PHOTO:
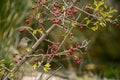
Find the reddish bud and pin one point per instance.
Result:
(14, 55)
(48, 19)
(71, 38)
(60, 19)
(54, 14)
(71, 34)
(54, 19)
(27, 21)
(42, 23)
(49, 58)
(117, 25)
(62, 35)
(69, 12)
(55, 22)
(88, 6)
(16, 61)
(41, 50)
(19, 59)
(75, 11)
(75, 58)
(33, 8)
(62, 11)
(73, 19)
(62, 24)
(78, 62)
(78, 46)
(56, 5)
(54, 52)
(55, 47)
(38, 1)
(21, 30)
(35, 60)
(68, 54)
(71, 48)
(44, 3)
(81, 27)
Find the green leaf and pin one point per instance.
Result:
(63, 8)
(46, 67)
(34, 66)
(11, 74)
(103, 24)
(98, 4)
(95, 3)
(34, 31)
(105, 6)
(95, 28)
(73, 24)
(87, 22)
(40, 31)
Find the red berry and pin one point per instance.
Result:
(16, 61)
(38, 1)
(33, 8)
(48, 19)
(54, 19)
(75, 58)
(62, 24)
(78, 46)
(27, 21)
(81, 27)
(75, 11)
(60, 19)
(21, 30)
(55, 22)
(55, 47)
(41, 22)
(44, 3)
(41, 50)
(78, 62)
(117, 25)
(14, 55)
(62, 35)
(35, 60)
(71, 34)
(88, 6)
(19, 59)
(62, 11)
(73, 19)
(71, 38)
(71, 48)
(54, 52)
(49, 58)
(68, 54)
(56, 5)
(69, 12)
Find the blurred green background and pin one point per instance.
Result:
(103, 51)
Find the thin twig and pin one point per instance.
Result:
(92, 15)
(32, 34)
(64, 39)
(54, 72)
(65, 3)
(34, 47)
(50, 41)
(5, 68)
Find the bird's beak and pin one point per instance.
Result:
(29, 40)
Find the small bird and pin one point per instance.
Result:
(23, 45)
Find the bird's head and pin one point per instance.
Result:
(25, 40)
